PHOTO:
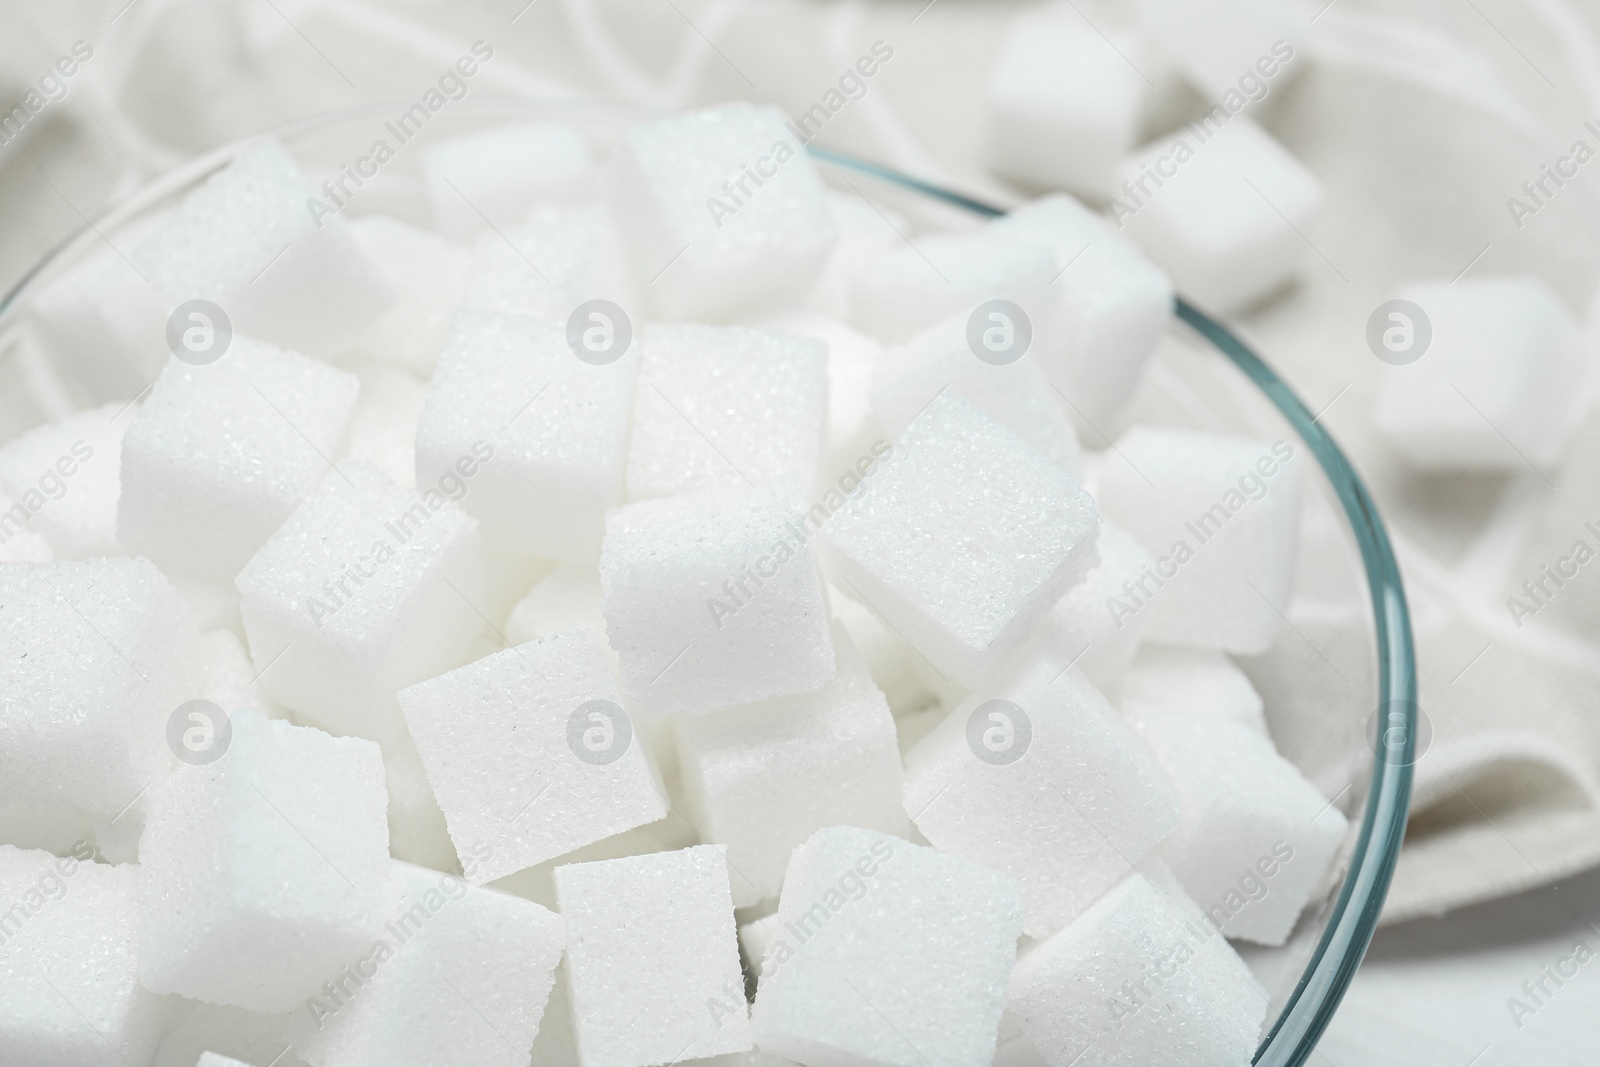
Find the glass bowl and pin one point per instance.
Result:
(1348, 581)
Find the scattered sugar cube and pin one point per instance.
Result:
(724, 406)
(1493, 390)
(1189, 683)
(652, 958)
(1256, 838)
(567, 596)
(888, 953)
(252, 240)
(67, 476)
(1114, 304)
(549, 265)
(1230, 222)
(67, 964)
(963, 538)
(364, 590)
(494, 177)
(462, 976)
(1063, 102)
(429, 277)
(94, 656)
(1221, 514)
(261, 869)
(1001, 782)
(1232, 50)
(1016, 395)
(711, 600)
(1138, 979)
(1083, 628)
(497, 737)
(763, 778)
(221, 454)
(534, 437)
(723, 211)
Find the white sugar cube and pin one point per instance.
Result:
(226, 675)
(1255, 838)
(530, 752)
(94, 656)
(68, 476)
(1138, 979)
(723, 211)
(944, 274)
(1189, 683)
(67, 964)
(890, 658)
(653, 959)
(852, 428)
(494, 177)
(256, 240)
(462, 976)
(546, 267)
(1001, 782)
(887, 953)
(1234, 51)
(364, 590)
(763, 778)
(1223, 208)
(1221, 514)
(567, 596)
(1494, 388)
(429, 277)
(963, 538)
(540, 433)
(221, 454)
(1063, 102)
(724, 406)
(383, 426)
(713, 599)
(1113, 301)
(1016, 395)
(262, 868)
(1084, 626)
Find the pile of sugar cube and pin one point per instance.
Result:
(650, 608)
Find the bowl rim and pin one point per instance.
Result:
(1354, 915)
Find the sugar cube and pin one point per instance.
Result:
(67, 476)
(546, 267)
(1223, 208)
(724, 406)
(429, 277)
(1002, 781)
(540, 433)
(963, 538)
(383, 425)
(1227, 47)
(1083, 627)
(255, 240)
(763, 778)
(652, 958)
(713, 599)
(1493, 387)
(567, 596)
(1190, 683)
(852, 428)
(364, 590)
(1063, 102)
(260, 869)
(723, 211)
(530, 752)
(67, 963)
(456, 975)
(1139, 978)
(1221, 514)
(94, 656)
(221, 454)
(889, 657)
(888, 953)
(494, 177)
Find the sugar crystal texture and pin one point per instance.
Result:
(68, 475)
(713, 599)
(465, 979)
(726, 406)
(763, 778)
(1221, 514)
(963, 538)
(261, 869)
(534, 436)
(723, 209)
(887, 953)
(1086, 626)
(221, 454)
(522, 750)
(1037, 775)
(558, 259)
(94, 656)
(653, 958)
(1191, 683)
(67, 964)
(429, 277)
(493, 178)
